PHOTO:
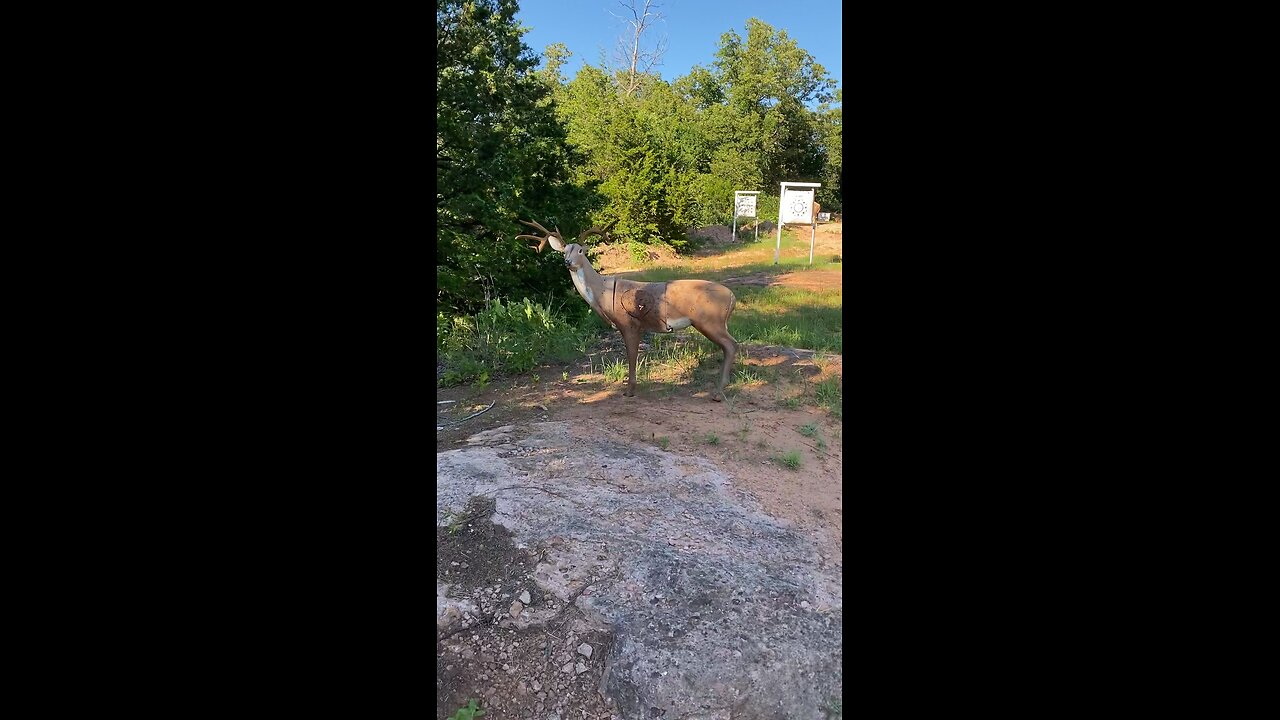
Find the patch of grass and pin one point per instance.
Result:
(663, 442)
(745, 376)
(507, 339)
(790, 459)
(791, 317)
(616, 371)
(833, 709)
(809, 430)
(564, 375)
(791, 403)
(470, 712)
(831, 396)
(711, 439)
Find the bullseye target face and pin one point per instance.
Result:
(797, 206)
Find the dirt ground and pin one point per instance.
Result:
(513, 672)
(531, 674)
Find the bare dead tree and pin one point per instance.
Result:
(630, 52)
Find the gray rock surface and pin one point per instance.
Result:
(716, 609)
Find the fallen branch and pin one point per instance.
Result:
(823, 452)
(455, 422)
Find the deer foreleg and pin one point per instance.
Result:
(631, 336)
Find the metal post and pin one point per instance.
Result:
(735, 221)
(813, 228)
(782, 192)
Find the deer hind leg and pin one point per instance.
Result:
(721, 337)
(632, 340)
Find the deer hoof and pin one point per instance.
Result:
(718, 397)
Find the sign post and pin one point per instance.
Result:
(796, 206)
(744, 204)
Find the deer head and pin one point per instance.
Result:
(574, 253)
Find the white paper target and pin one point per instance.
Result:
(797, 206)
(746, 206)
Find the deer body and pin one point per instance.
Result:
(634, 308)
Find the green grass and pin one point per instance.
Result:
(746, 375)
(509, 338)
(790, 459)
(712, 439)
(809, 430)
(792, 317)
(616, 371)
(830, 395)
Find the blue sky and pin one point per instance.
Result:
(692, 27)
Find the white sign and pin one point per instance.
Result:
(797, 206)
(824, 217)
(746, 206)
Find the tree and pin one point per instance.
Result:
(501, 155)
(631, 53)
(557, 54)
(767, 78)
(828, 117)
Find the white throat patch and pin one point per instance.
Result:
(580, 282)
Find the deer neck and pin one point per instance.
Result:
(590, 285)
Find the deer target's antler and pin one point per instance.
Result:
(602, 232)
(552, 236)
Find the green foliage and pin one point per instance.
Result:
(505, 338)
(638, 251)
(514, 142)
(712, 439)
(501, 155)
(470, 712)
(668, 157)
(809, 430)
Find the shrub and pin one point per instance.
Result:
(506, 338)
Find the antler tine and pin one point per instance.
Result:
(542, 242)
(553, 237)
(602, 232)
(535, 224)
